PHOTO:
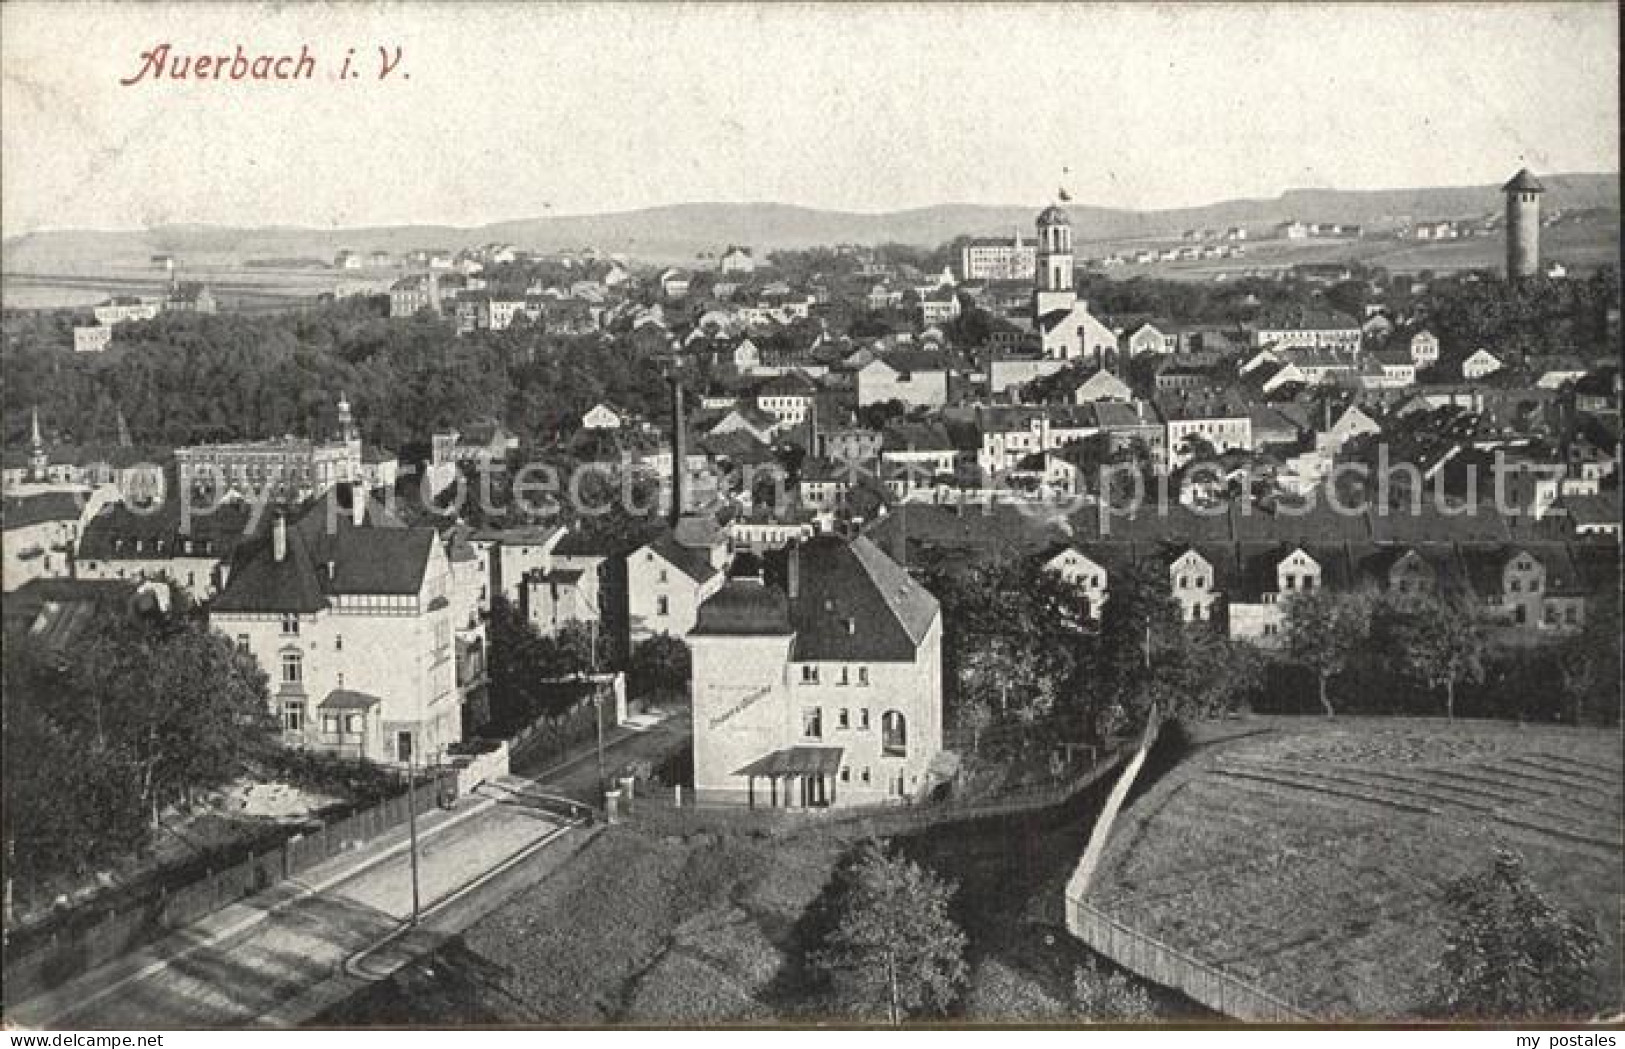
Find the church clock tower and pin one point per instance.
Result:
(1056, 284)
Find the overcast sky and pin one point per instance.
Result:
(513, 112)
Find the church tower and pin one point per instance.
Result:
(1523, 225)
(1056, 285)
(350, 438)
(39, 460)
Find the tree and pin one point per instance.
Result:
(894, 946)
(515, 666)
(1324, 631)
(1442, 645)
(151, 710)
(1510, 954)
(1103, 996)
(661, 664)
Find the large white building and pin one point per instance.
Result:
(290, 468)
(825, 692)
(998, 258)
(353, 620)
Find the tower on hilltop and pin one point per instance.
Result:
(1523, 192)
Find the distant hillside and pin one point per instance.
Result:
(676, 233)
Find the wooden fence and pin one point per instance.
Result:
(1156, 961)
(886, 818)
(119, 932)
(1147, 956)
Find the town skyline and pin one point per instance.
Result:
(1186, 123)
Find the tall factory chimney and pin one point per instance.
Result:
(679, 454)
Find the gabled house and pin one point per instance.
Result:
(822, 691)
(353, 620)
(1479, 364)
(917, 378)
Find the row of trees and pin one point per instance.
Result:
(182, 378)
(1019, 647)
(1439, 644)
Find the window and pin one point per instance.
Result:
(863, 719)
(1184, 582)
(846, 775)
(1551, 615)
(1571, 614)
(812, 723)
(865, 776)
(338, 643)
(1289, 582)
(662, 605)
(242, 642)
(843, 719)
(1308, 583)
(1517, 586)
(293, 668)
(863, 677)
(893, 734)
(330, 724)
(809, 674)
(843, 679)
(290, 624)
(662, 575)
(1534, 586)
(293, 715)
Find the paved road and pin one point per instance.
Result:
(577, 777)
(285, 956)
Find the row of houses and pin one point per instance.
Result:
(1246, 588)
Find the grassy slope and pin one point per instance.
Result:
(1311, 858)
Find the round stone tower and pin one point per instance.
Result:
(1523, 225)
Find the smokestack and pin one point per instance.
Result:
(679, 455)
(793, 584)
(279, 538)
(812, 430)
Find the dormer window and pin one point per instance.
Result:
(290, 625)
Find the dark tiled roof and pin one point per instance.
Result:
(1523, 182)
(856, 604)
(744, 607)
(694, 562)
(261, 583)
(378, 557)
(21, 511)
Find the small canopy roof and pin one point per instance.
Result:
(349, 699)
(796, 761)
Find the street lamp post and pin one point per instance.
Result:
(412, 821)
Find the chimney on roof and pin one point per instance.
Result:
(793, 584)
(279, 537)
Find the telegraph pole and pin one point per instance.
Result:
(597, 696)
(412, 820)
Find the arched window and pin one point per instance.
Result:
(893, 734)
